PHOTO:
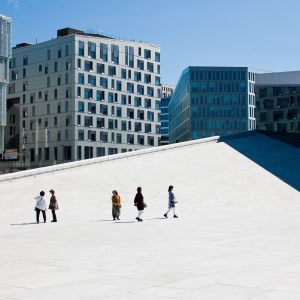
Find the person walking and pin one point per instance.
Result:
(171, 202)
(53, 205)
(116, 205)
(139, 203)
(40, 206)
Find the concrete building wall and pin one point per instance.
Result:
(75, 101)
(5, 53)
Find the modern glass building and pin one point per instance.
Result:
(5, 53)
(210, 101)
(85, 95)
(278, 101)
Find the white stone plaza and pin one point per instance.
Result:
(237, 236)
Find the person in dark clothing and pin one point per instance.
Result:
(53, 205)
(171, 203)
(139, 203)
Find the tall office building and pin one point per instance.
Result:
(85, 95)
(5, 53)
(167, 92)
(278, 101)
(210, 101)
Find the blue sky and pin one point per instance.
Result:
(263, 34)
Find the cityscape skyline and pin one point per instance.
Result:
(207, 33)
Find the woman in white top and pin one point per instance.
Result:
(40, 206)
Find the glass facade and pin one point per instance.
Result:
(211, 101)
(278, 107)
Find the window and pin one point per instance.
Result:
(81, 48)
(130, 113)
(92, 50)
(25, 86)
(59, 53)
(130, 139)
(115, 54)
(100, 122)
(68, 64)
(88, 93)
(119, 85)
(25, 60)
(140, 89)
(100, 151)
(78, 91)
(150, 91)
(55, 66)
(148, 127)
(66, 78)
(81, 135)
(137, 101)
(103, 51)
(68, 92)
(131, 57)
(92, 135)
(112, 151)
(103, 82)
(150, 67)
(123, 73)
(79, 63)
(119, 112)
(111, 71)
(88, 65)
(103, 136)
(140, 114)
(151, 140)
(147, 54)
(123, 99)
(81, 106)
(150, 116)
(137, 76)
(103, 109)
(110, 98)
(88, 121)
(67, 50)
(138, 127)
(92, 80)
(92, 108)
(130, 87)
(147, 103)
(119, 138)
(124, 125)
(147, 78)
(157, 80)
(81, 78)
(100, 96)
(141, 140)
(140, 64)
(157, 56)
(100, 68)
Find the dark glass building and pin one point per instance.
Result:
(278, 101)
(210, 101)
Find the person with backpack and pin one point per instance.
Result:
(40, 206)
(53, 205)
(139, 203)
(171, 203)
(116, 205)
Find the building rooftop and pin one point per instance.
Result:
(278, 78)
(237, 236)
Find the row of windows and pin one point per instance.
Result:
(280, 127)
(278, 115)
(90, 66)
(106, 110)
(117, 124)
(264, 92)
(219, 124)
(218, 75)
(138, 89)
(211, 111)
(114, 50)
(284, 102)
(57, 53)
(216, 99)
(91, 79)
(59, 109)
(219, 87)
(103, 137)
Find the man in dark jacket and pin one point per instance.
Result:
(139, 203)
(53, 205)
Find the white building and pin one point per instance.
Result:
(5, 53)
(85, 95)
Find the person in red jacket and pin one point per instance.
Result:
(139, 203)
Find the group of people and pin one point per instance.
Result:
(140, 204)
(41, 206)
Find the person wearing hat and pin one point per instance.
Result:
(53, 205)
(171, 202)
(116, 205)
